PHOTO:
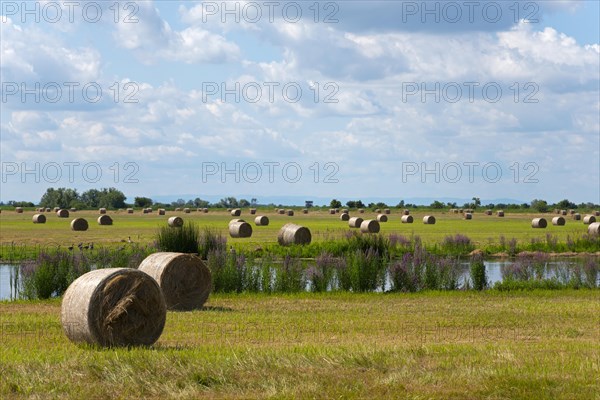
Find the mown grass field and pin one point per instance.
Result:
(483, 230)
(432, 345)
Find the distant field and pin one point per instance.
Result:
(482, 229)
(432, 345)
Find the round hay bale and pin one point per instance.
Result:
(369, 226)
(556, 211)
(558, 221)
(252, 211)
(205, 210)
(290, 213)
(293, 234)
(500, 213)
(105, 220)
(344, 217)
(145, 211)
(281, 211)
(63, 213)
(355, 222)
(79, 224)
(377, 210)
(48, 209)
(455, 210)
(597, 213)
(236, 212)
(102, 210)
(577, 217)
(229, 209)
(361, 210)
(594, 228)
(185, 280)
(589, 219)
(72, 209)
(488, 212)
(382, 218)
(468, 216)
(240, 229)
(407, 219)
(56, 209)
(305, 211)
(571, 212)
(130, 211)
(40, 210)
(236, 220)
(460, 211)
(337, 210)
(114, 307)
(406, 212)
(539, 223)
(331, 211)
(261, 220)
(387, 211)
(563, 212)
(161, 211)
(175, 222)
(345, 210)
(178, 209)
(429, 220)
(39, 219)
(187, 210)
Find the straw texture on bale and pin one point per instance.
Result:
(539, 223)
(240, 229)
(39, 219)
(130, 211)
(468, 216)
(577, 217)
(261, 220)
(344, 216)
(253, 211)
(558, 221)
(407, 219)
(369, 226)
(233, 221)
(429, 220)
(105, 220)
(102, 211)
(185, 280)
(500, 213)
(161, 211)
(488, 212)
(79, 224)
(386, 211)
(594, 228)
(355, 222)
(382, 218)
(175, 221)
(589, 219)
(290, 213)
(63, 213)
(236, 212)
(114, 307)
(293, 234)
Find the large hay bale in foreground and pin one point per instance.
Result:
(558, 221)
(539, 223)
(355, 222)
(62, 213)
(589, 219)
(293, 234)
(500, 213)
(429, 220)
(370, 226)
(407, 219)
(79, 224)
(105, 220)
(175, 222)
(382, 218)
(344, 217)
(261, 220)
(594, 228)
(39, 219)
(236, 212)
(468, 216)
(114, 307)
(185, 280)
(240, 229)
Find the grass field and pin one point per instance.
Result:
(433, 345)
(482, 230)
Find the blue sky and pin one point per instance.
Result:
(390, 99)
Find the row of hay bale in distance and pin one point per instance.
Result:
(78, 224)
(128, 307)
(560, 221)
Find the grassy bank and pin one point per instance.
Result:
(435, 345)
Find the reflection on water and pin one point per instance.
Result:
(493, 271)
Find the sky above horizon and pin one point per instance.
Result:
(346, 99)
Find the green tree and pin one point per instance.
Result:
(539, 205)
(335, 203)
(437, 204)
(143, 202)
(61, 197)
(112, 198)
(91, 198)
